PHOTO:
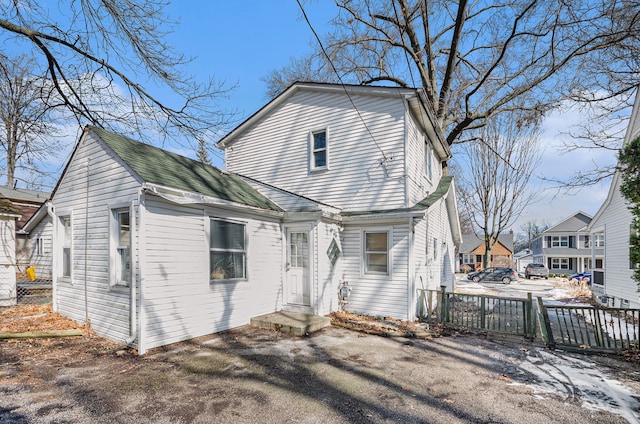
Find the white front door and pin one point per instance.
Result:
(298, 282)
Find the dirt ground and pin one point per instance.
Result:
(334, 376)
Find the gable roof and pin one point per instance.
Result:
(415, 97)
(158, 166)
(470, 242)
(576, 222)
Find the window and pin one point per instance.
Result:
(559, 263)
(319, 157)
(598, 240)
(587, 242)
(428, 158)
(376, 252)
(468, 258)
(599, 263)
(227, 250)
(559, 241)
(39, 246)
(435, 248)
(66, 238)
(121, 236)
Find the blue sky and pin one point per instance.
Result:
(240, 41)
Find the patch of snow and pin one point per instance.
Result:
(580, 380)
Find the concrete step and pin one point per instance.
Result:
(294, 323)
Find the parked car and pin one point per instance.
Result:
(505, 275)
(536, 270)
(581, 276)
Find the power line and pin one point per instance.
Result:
(315, 34)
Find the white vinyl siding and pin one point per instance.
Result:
(42, 237)
(354, 155)
(179, 301)
(109, 184)
(384, 295)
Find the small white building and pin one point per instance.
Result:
(612, 278)
(9, 213)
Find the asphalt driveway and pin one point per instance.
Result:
(334, 376)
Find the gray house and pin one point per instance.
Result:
(567, 247)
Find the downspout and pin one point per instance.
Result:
(86, 249)
(133, 333)
(54, 272)
(411, 273)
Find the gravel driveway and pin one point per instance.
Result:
(334, 376)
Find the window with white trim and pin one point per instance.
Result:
(559, 263)
(227, 250)
(376, 252)
(39, 246)
(559, 241)
(319, 156)
(121, 245)
(428, 160)
(598, 240)
(66, 244)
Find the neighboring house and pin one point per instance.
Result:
(27, 202)
(377, 156)
(522, 258)
(38, 251)
(613, 283)
(9, 215)
(472, 250)
(568, 247)
(153, 248)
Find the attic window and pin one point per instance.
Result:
(319, 158)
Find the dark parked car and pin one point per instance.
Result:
(505, 275)
(581, 277)
(536, 270)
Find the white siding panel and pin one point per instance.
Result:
(377, 295)
(180, 302)
(109, 183)
(43, 262)
(276, 150)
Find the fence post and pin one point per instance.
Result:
(598, 327)
(545, 325)
(443, 304)
(530, 323)
(483, 317)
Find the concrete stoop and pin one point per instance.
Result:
(294, 323)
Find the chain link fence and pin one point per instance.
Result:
(24, 288)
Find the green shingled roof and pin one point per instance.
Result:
(157, 166)
(441, 190)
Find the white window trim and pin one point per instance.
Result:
(245, 224)
(312, 150)
(428, 159)
(60, 246)
(363, 258)
(559, 261)
(114, 210)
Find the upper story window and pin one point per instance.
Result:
(121, 245)
(227, 250)
(319, 156)
(376, 252)
(598, 240)
(66, 244)
(428, 160)
(39, 246)
(559, 241)
(587, 241)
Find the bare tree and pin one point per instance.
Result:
(500, 167)
(528, 231)
(28, 133)
(107, 61)
(476, 60)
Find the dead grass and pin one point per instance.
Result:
(384, 326)
(34, 318)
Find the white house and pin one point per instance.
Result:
(153, 248)
(612, 279)
(377, 156)
(9, 214)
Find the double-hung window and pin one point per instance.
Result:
(122, 245)
(319, 156)
(376, 252)
(227, 250)
(560, 263)
(599, 240)
(66, 238)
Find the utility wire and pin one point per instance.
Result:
(324, 51)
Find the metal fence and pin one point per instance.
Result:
(590, 327)
(33, 291)
(568, 326)
(478, 312)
